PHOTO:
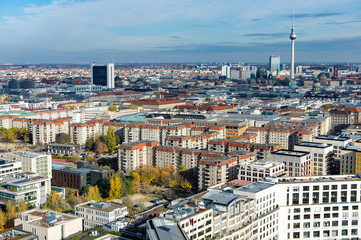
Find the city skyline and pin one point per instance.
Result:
(188, 31)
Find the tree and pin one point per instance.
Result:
(135, 182)
(63, 138)
(2, 220)
(112, 108)
(93, 193)
(10, 210)
(118, 139)
(90, 144)
(110, 141)
(76, 157)
(115, 188)
(85, 189)
(101, 147)
(21, 206)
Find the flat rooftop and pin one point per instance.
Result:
(314, 144)
(102, 206)
(254, 187)
(47, 218)
(315, 179)
(333, 138)
(291, 153)
(164, 229)
(222, 198)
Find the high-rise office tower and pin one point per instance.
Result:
(293, 38)
(274, 63)
(226, 71)
(103, 74)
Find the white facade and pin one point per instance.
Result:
(337, 142)
(109, 74)
(256, 170)
(321, 156)
(9, 167)
(35, 222)
(32, 162)
(97, 213)
(297, 163)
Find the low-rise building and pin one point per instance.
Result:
(98, 213)
(9, 167)
(78, 178)
(63, 148)
(258, 169)
(49, 225)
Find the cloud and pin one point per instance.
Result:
(315, 15)
(341, 23)
(266, 35)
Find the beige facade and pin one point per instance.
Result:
(62, 225)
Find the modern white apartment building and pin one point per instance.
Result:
(49, 225)
(32, 162)
(336, 141)
(266, 198)
(321, 208)
(98, 213)
(25, 186)
(258, 169)
(322, 156)
(9, 167)
(297, 163)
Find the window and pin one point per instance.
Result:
(334, 187)
(296, 225)
(297, 210)
(344, 232)
(297, 217)
(353, 186)
(316, 188)
(334, 223)
(344, 223)
(354, 222)
(296, 235)
(327, 215)
(306, 188)
(326, 223)
(306, 234)
(317, 216)
(307, 216)
(355, 207)
(316, 224)
(326, 187)
(334, 208)
(306, 225)
(344, 186)
(316, 233)
(354, 232)
(327, 209)
(335, 215)
(345, 208)
(307, 209)
(334, 233)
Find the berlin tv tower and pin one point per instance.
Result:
(293, 38)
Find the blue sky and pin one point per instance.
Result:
(82, 31)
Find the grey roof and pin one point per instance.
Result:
(223, 198)
(254, 187)
(162, 229)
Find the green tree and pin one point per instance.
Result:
(115, 188)
(85, 189)
(112, 108)
(93, 193)
(90, 144)
(111, 141)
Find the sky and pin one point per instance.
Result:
(178, 31)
